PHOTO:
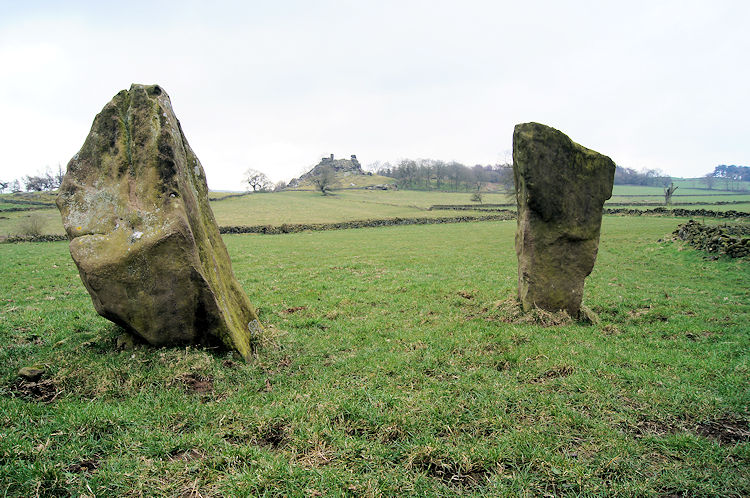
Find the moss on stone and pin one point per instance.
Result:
(561, 187)
(135, 206)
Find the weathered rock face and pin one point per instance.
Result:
(343, 167)
(134, 204)
(561, 188)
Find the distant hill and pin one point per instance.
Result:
(348, 173)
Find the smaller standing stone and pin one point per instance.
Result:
(561, 188)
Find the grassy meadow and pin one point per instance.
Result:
(289, 207)
(300, 206)
(401, 368)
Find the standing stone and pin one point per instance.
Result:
(561, 188)
(134, 203)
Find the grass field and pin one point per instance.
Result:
(345, 205)
(718, 184)
(295, 207)
(359, 204)
(398, 374)
(634, 193)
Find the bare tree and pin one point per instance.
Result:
(668, 193)
(479, 176)
(3, 186)
(256, 180)
(709, 179)
(505, 174)
(39, 183)
(44, 181)
(59, 175)
(323, 180)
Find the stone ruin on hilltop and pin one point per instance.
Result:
(342, 167)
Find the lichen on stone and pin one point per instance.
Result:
(561, 187)
(134, 203)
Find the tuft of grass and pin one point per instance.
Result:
(510, 311)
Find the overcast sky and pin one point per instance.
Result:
(275, 85)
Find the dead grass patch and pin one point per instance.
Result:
(85, 466)
(639, 312)
(726, 430)
(648, 426)
(510, 311)
(43, 391)
(561, 371)
(467, 294)
(457, 475)
(294, 309)
(610, 329)
(188, 455)
(319, 455)
(272, 435)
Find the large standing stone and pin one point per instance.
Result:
(134, 204)
(561, 188)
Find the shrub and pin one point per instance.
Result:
(31, 226)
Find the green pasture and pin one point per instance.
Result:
(399, 371)
(717, 184)
(358, 204)
(292, 207)
(688, 186)
(687, 192)
(682, 198)
(311, 207)
(743, 207)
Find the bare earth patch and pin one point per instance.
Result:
(187, 455)
(197, 383)
(648, 426)
(272, 435)
(561, 371)
(44, 391)
(451, 474)
(725, 430)
(294, 309)
(467, 294)
(85, 466)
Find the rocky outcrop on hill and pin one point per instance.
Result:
(561, 188)
(340, 167)
(134, 204)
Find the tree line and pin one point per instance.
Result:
(739, 173)
(429, 174)
(731, 176)
(648, 178)
(35, 183)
